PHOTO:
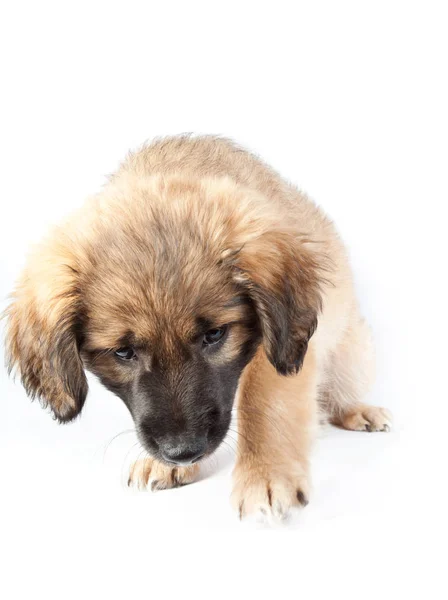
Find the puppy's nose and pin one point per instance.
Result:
(183, 453)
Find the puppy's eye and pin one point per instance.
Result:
(125, 353)
(213, 336)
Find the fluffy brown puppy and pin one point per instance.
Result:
(195, 279)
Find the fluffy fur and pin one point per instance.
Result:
(189, 235)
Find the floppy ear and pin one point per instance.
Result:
(43, 333)
(280, 273)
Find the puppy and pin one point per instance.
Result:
(197, 283)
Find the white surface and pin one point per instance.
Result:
(349, 101)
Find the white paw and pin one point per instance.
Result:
(149, 472)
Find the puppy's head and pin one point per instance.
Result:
(166, 296)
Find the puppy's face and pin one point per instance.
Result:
(174, 360)
(164, 290)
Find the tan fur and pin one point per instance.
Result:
(213, 218)
(277, 419)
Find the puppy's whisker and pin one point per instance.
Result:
(101, 354)
(239, 434)
(140, 456)
(228, 446)
(126, 431)
(125, 460)
(135, 445)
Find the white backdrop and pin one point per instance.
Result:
(348, 100)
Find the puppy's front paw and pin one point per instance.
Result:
(162, 477)
(270, 495)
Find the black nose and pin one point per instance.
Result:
(181, 452)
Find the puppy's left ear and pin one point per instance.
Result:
(43, 332)
(281, 273)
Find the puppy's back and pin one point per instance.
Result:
(217, 157)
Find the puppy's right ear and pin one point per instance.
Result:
(42, 333)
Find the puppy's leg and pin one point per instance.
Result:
(350, 376)
(162, 476)
(277, 418)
